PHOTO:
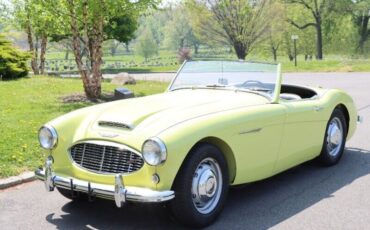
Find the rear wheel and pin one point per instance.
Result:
(335, 139)
(200, 187)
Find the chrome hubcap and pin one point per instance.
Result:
(206, 186)
(334, 136)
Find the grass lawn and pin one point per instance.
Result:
(28, 103)
(331, 64)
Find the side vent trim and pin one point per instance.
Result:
(115, 125)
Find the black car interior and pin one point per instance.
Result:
(293, 92)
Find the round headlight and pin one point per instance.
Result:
(48, 137)
(154, 151)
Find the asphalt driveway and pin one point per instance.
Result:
(305, 197)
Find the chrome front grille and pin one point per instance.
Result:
(103, 158)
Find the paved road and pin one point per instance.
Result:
(306, 197)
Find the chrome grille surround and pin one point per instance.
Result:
(106, 157)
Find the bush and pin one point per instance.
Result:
(184, 54)
(13, 62)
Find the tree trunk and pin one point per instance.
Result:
(32, 50)
(240, 50)
(113, 50)
(93, 39)
(96, 54)
(274, 49)
(66, 56)
(196, 48)
(114, 47)
(182, 42)
(44, 42)
(127, 47)
(274, 53)
(84, 72)
(364, 33)
(319, 43)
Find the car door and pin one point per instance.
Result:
(256, 142)
(303, 133)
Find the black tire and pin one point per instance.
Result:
(184, 206)
(327, 157)
(77, 196)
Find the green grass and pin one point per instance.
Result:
(328, 65)
(28, 103)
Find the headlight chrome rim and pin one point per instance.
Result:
(162, 153)
(54, 136)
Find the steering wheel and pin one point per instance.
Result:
(255, 85)
(255, 82)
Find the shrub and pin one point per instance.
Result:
(184, 54)
(13, 62)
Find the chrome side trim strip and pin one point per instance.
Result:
(251, 131)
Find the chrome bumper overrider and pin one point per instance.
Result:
(117, 192)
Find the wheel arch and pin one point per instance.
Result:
(226, 151)
(344, 109)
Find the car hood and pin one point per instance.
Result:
(158, 112)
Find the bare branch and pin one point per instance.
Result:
(314, 12)
(301, 27)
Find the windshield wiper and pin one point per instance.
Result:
(183, 87)
(215, 86)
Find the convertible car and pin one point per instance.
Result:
(219, 124)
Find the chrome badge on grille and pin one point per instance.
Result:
(108, 135)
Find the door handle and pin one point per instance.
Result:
(318, 108)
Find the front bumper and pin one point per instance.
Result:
(117, 192)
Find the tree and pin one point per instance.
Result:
(242, 24)
(121, 29)
(277, 28)
(179, 32)
(146, 45)
(361, 18)
(319, 11)
(13, 62)
(316, 9)
(38, 24)
(86, 20)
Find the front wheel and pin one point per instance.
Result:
(200, 187)
(335, 139)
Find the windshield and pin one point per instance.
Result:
(258, 78)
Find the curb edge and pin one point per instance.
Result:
(16, 180)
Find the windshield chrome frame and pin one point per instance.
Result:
(177, 74)
(279, 79)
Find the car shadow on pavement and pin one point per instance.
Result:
(258, 205)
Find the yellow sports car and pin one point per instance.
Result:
(220, 123)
